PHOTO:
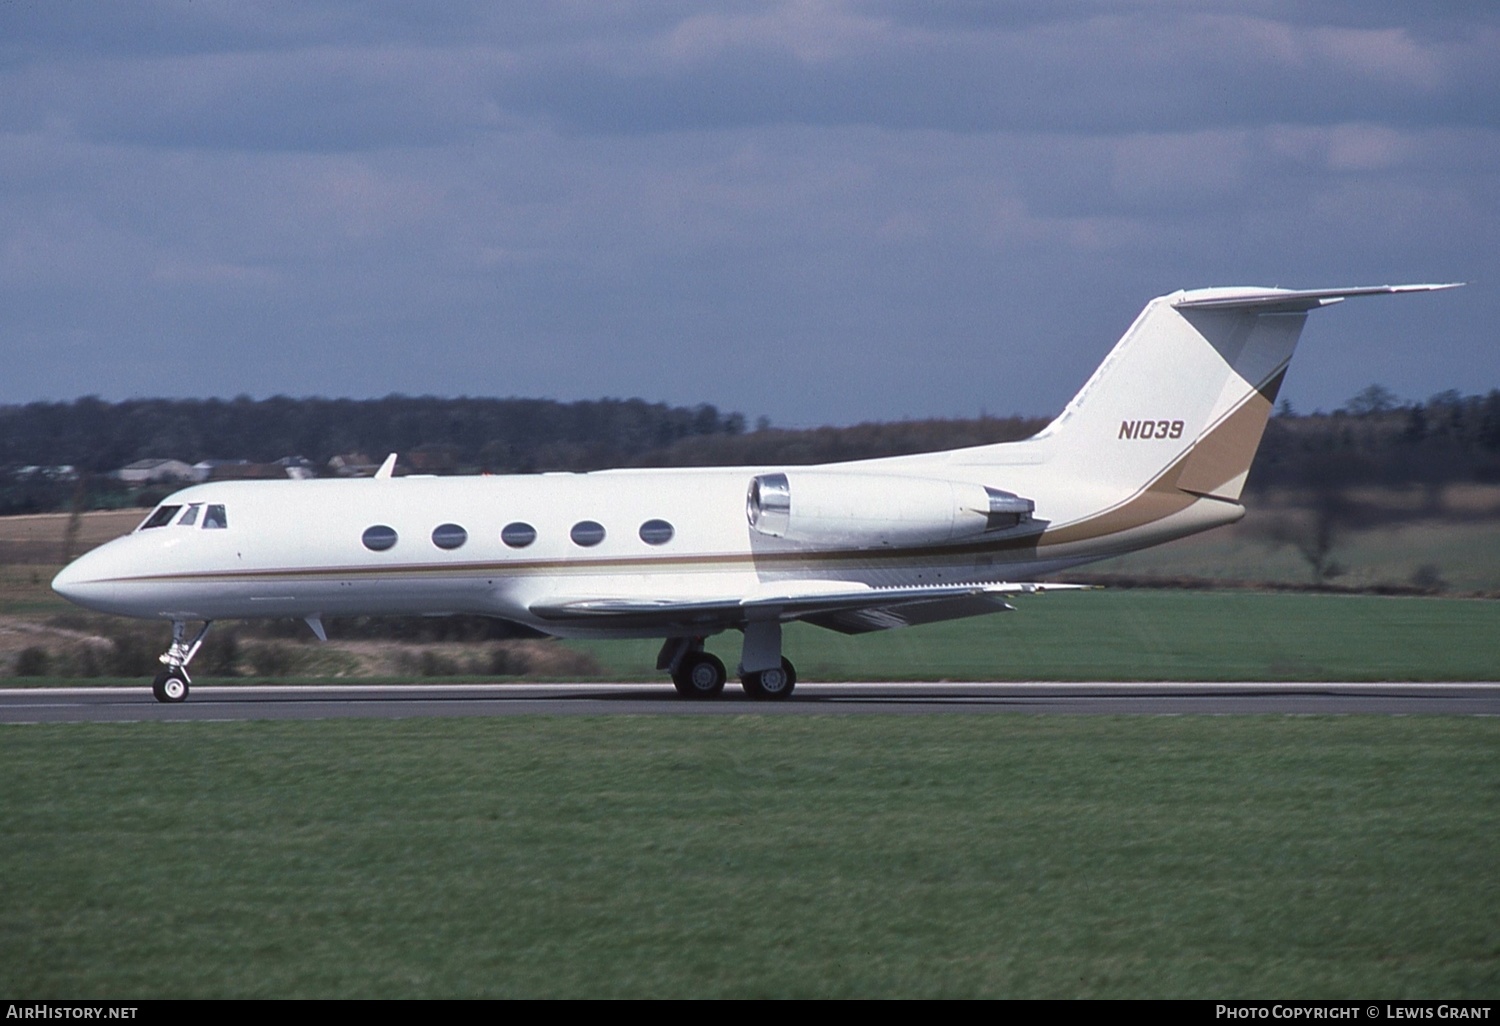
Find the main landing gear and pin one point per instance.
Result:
(171, 684)
(701, 675)
(776, 682)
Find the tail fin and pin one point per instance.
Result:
(1187, 391)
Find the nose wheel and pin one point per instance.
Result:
(171, 685)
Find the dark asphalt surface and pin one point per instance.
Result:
(104, 705)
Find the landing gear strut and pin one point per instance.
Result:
(171, 684)
(764, 671)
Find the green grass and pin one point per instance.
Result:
(1465, 555)
(1116, 634)
(753, 856)
(1122, 634)
(26, 590)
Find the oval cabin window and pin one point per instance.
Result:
(379, 538)
(656, 532)
(449, 536)
(518, 535)
(587, 533)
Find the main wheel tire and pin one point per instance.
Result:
(169, 687)
(771, 684)
(700, 675)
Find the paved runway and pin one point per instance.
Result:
(100, 705)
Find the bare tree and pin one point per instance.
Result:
(1324, 517)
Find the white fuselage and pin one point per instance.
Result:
(1155, 446)
(295, 548)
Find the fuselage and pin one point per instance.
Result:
(497, 545)
(1156, 445)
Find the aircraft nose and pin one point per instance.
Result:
(67, 581)
(79, 582)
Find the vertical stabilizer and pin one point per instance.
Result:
(1185, 390)
(1160, 440)
(1182, 400)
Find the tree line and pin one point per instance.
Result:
(1376, 441)
(503, 435)
(1373, 440)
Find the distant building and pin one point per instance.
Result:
(205, 470)
(298, 468)
(244, 470)
(295, 467)
(155, 472)
(63, 472)
(353, 464)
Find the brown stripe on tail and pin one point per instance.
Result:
(1215, 468)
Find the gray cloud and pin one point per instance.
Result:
(824, 212)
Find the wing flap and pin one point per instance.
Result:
(908, 614)
(851, 609)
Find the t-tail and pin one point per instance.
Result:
(1157, 444)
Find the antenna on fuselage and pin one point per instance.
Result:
(388, 467)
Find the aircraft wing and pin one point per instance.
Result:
(848, 608)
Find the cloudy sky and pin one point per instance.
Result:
(820, 212)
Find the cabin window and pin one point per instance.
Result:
(191, 516)
(656, 532)
(518, 535)
(379, 538)
(162, 517)
(214, 518)
(587, 533)
(449, 536)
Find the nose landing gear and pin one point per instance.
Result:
(171, 684)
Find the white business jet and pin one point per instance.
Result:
(1154, 447)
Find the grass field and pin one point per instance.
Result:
(1149, 635)
(1116, 634)
(1463, 557)
(951, 856)
(991, 856)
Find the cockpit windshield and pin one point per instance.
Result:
(161, 517)
(209, 516)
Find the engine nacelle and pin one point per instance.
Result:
(874, 510)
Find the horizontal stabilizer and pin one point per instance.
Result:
(1289, 300)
